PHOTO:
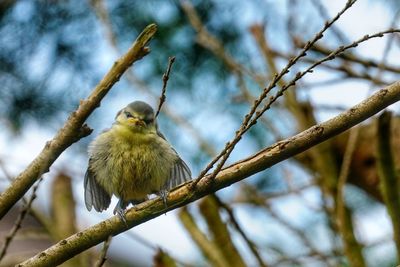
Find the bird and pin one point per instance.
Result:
(131, 160)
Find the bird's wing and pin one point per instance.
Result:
(160, 134)
(95, 195)
(180, 172)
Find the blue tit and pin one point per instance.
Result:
(131, 160)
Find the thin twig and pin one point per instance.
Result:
(301, 259)
(103, 256)
(344, 68)
(252, 246)
(38, 215)
(368, 63)
(146, 243)
(165, 78)
(18, 223)
(325, 16)
(300, 233)
(251, 194)
(141, 240)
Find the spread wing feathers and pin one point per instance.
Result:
(180, 173)
(95, 195)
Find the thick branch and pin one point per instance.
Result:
(73, 128)
(185, 194)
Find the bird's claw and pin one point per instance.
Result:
(120, 211)
(163, 195)
(121, 214)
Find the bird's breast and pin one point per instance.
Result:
(132, 165)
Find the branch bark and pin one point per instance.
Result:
(185, 194)
(74, 128)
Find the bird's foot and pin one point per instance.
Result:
(120, 210)
(163, 194)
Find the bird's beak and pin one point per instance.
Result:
(136, 122)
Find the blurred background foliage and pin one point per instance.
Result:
(52, 53)
(45, 68)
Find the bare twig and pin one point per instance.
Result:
(345, 69)
(301, 234)
(325, 16)
(250, 194)
(300, 260)
(165, 78)
(41, 217)
(103, 256)
(252, 246)
(18, 223)
(369, 63)
(184, 194)
(174, 116)
(146, 243)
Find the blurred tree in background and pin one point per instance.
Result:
(333, 205)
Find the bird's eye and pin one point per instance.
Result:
(148, 120)
(128, 115)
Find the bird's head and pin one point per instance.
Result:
(137, 116)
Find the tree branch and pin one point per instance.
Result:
(183, 195)
(389, 182)
(74, 129)
(211, 251)
(219, 233)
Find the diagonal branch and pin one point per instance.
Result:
(74, 128)
(183, 195)
(18, 224)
